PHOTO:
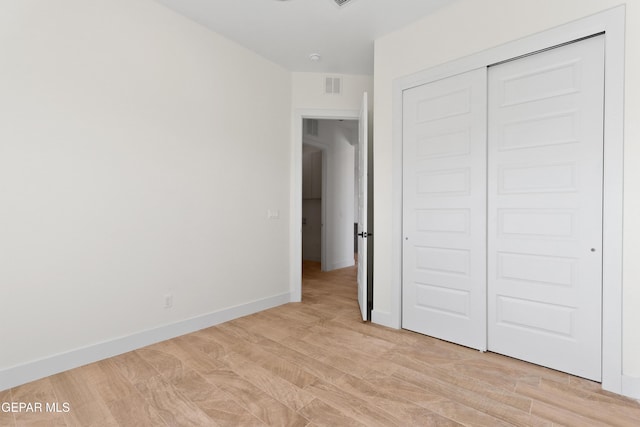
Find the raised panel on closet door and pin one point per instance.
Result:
(444, 205)
(545, 207)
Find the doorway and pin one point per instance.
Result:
(355, 116)
(328, 192)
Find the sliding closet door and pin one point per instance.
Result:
(444, 205)
(545, 208)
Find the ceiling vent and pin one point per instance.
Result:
(341, 2)
(332, 85)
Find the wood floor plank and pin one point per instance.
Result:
(391, 385)
(236, 330)
(265, 326)
(306, 363)
(393, 336)
(432, 401)
(216, 403)
(610, 404)
(534, 371)
(476, 400)
(223, 337)
(465, 415)
(308, 309)
(257, 402)
(277, 387)
(563, 417)
(429, 354)
(202, 342)
(195, 354)
(33, 393)
(134, 368)
(588, 385)
(6, 417)
(292, 313)
(172, 406)
(345, 361)
(594, 410)
(29, 421)
(166, 364)
(86, 406)
(447, 376)
(228, 413)
(346, 338)
(393, 404)
(351, 405)
(276, 365)
(109, 382)
(325, 415)
(67, 387)
(343, 351)
(135, 410)
(492, 373)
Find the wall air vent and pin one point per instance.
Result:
(341, 2)
(332, 85)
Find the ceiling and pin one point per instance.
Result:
(288, 31)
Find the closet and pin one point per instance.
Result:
(502, 208)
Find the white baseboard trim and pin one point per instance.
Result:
(631, 387)
(31, 371)
(383, 318)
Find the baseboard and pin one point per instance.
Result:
(31, 371)
(631, 387)
(383, 318)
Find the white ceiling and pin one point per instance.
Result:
(287, 32)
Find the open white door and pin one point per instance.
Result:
(362, 207)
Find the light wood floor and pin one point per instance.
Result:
(315, 363)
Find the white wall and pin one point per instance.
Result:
(339, 192)
(469, 26)
(123, 148)
(308, 91)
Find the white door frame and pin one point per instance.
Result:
(295, 225)
(612, 23)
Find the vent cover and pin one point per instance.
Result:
(341, 2)
(332, 85)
